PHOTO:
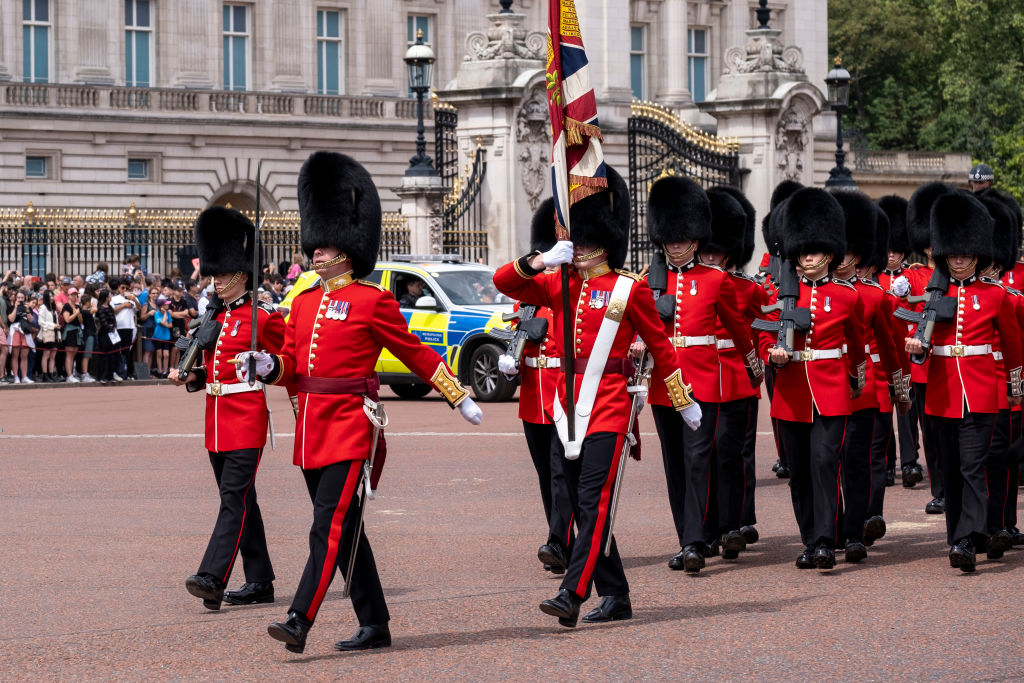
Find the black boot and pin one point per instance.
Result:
(565, 606)
(693, 559)
(962, 557)
(824, 557)
(251, 594)
(912, 474)
(750, 534)
(733, 543)
(208, 588)
(554, 555)
(611, 608)
(366, 638)
(855, 551)
(874, 529)
(292, 632)
(805, 560)
(936, 506)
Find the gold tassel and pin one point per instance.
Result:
(575, 130)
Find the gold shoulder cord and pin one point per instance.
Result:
(371, 284)
(449, 386)
(631, 275)
(680, 394)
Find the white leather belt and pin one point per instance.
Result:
(220, 389)
(684, 342)
(807, 355)
(867, 350)
(726, 344)
(961, 351)
(875, 358)
(542, 362)
(998, 355)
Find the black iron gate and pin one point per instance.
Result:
(446, 143)
(462, 230)
(660, 144)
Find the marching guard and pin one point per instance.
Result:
(611, 308)
(237, 414)
(963, 394)
(333, 338)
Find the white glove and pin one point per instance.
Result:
(264, 364)
(507, 366)
(900, 286)
(691, 415)
(558, 254)
(471, 411)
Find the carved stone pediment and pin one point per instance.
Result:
(505, 38)
(763, 53)
(534, 142)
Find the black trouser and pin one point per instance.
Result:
(591, 480)
(687, 456)
(748, 517)
(1016, 454)
(239, 526)
(907, 427)
(857, 472)
(997, 474)
(548, 458)
(106, 358)
(883, 447)
(125, 366)
(769, 385)
(333, 490)
(963, 444)
(730, 439)
(814, 450)
(932, 456)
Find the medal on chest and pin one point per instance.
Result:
(599, 298)
(1009, 276)
(693, 288)
(337, 310)
(977, 304)
(828, 304)
(234, 330)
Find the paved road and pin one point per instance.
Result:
(107, 500)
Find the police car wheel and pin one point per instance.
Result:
(410, 391)
(487, 382)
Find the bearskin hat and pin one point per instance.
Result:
(1010, 203)
(602, 219)
(773, 232)
(895, 209)
(751, 225)
(339, 207)
(880, 256)
(919, 214)
(1005, 233)
(960, 224)
(728, 225)
(542, 227)
(225, 240)
(861, 216)
(678, 210)
(812, 221)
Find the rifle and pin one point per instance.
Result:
(792, 319)
(529, 328)
(254, 286)
(643, 371)
(657, 280)
(938, 308)
(206, 330)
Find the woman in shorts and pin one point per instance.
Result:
(18, 341)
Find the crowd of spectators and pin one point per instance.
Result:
(106, 327)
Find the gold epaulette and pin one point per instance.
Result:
(448, 386)
(626, 273)
(680, 394)
(371, 284)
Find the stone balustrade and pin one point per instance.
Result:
(910, 163)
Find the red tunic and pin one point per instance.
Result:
(332, 428)
(879, 341)
(238, 421)
(1015, 278)
(705, 297)
(801, 387)
(984, 309)
(750, 296)
(590, 297)
(537, 384)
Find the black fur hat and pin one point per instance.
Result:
(542, 227)
(919, 214)
(861, 216)
(812, 221)
(895, 209)
(225, 240)
(678, 210)
(880, 256)
(1012, 205)
(773, 232)
(1005, 233)
(339, 207)
(749, 229)
(602, 219)
(728, 225)
(961, 224)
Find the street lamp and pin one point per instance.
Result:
(838, 82)
(419, 58)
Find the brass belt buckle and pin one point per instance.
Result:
(957, 351)
(679, 342)
(215, 389)
(806, 355)
(542, 361)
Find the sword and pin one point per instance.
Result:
(255, 270)
(643, 370)
(379, 419)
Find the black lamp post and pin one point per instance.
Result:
(419, 58)
(838, 82)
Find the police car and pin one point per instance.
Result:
(451, 306)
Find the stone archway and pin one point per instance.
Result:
(241, 195)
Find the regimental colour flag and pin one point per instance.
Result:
(577, 160)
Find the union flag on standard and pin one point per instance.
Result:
(577, 160)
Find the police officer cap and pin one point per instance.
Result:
(981, 172)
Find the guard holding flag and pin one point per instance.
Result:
(237, 414)
(333, 338)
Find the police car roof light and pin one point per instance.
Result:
(426, 258)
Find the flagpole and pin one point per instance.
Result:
(568, 359)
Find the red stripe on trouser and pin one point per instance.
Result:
(241, 528)
(568, 534)
(602, 517)
(334, 538)
(839, 478)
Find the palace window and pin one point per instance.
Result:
(35, 33)
(330, 52)
(638, 61)
(138, 169)
(697, 58)
(37, 167)
(138, 43)
(236, 47)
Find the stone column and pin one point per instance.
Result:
(9, 13)
(674, 91)
(291, 41)
(96, 37)
(605, 28)
(421, 205)
(199, 66)
(383, 75)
